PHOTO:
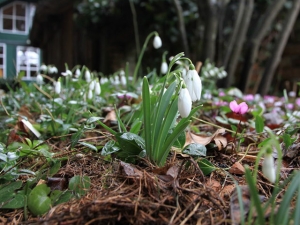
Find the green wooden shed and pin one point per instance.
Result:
(16, 53)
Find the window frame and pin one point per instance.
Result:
(14, 18)
(27, 67)
(3, 45)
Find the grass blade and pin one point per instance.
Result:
(147, 116)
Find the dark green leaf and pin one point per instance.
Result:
(54, 168)
(80, 184)
(206, 166)
(38, 200)
(109, 148)
(195, 149)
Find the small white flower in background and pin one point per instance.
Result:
(122, 78)
(116, 80)
(268, 167)
(164, 67)
(184, 102)
(67, 73)
(193, 83)
(92, 85)
(77, 73)
(292, 94)
(39, 79)
(103, 80)
(58, 86)
(157, 43)
(43, 68)
(97, 88)
(52, 69)
(87, 76)
(90, 94)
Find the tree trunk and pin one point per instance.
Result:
(181, 27)
(254, 43)
(278, 48)
(210, 29)
(232, 40)
(238, 44)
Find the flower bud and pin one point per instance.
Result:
(157, 43)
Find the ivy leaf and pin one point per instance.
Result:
(206, 166)
(109, 148)
(195, 149)
(38, 200)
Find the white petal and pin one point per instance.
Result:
(157, 43)
(268, 168)
(164, 68)
(184, 103)
(197, 85)
(97, 88)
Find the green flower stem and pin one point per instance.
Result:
(136, 69)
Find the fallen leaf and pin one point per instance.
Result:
(237, 168)
(129, 170)
(110, 117)
(213, 184)
(220, 141)
(173, 171)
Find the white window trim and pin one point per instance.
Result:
(14, 18)
(4, 59)
(27, 67)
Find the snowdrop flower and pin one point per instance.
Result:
(92, 85)
(52, 69)
(193, 83)
(164, 67)
(77, 73)
(90, 94)
(39, 79)
(268, 167)
(87, 76)
(241, 108)
(292, 94)
(67, 73)
(103, 80)
(58, 86)
(184, 102)
(157, 43)
(97, 88)
(122, 78)
(116, 81)
(43, 68)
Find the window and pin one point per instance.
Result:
(15, 17)
(28, 61)
(2, 61)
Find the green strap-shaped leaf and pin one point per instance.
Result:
(147, 116)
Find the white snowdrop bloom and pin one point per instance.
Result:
(122, 73)
(117, 80)
(67, 73)
(92, 85)
(123, 80)
(87, 76)
(292, 94)
(224, 74)
(97, 88)
(39, 79)
(157, 43)
(90, 94)
(43, 68)
(52, 69)
(268, 167)
(103, 80)
(193, 84)
(58, 86)
(77, 73)
(212, 72)
(184, 72)
(164, 68)
(184, 103)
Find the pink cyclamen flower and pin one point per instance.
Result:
(241, 108)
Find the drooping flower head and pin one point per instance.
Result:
(67, 73)
(58, 86)
(193, 83)
(268, 166)
(157, 43)
(241, 108)
(184, 102)
(97, 88)
(39, 79)
(164, 67)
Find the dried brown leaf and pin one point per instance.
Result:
(237, 168)
(130, 170)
